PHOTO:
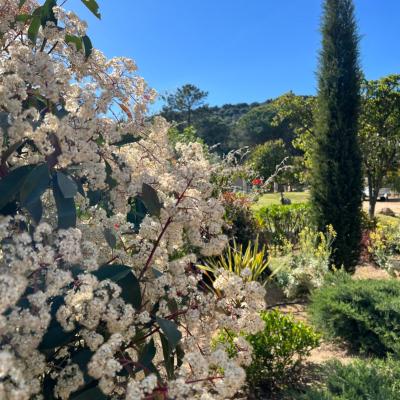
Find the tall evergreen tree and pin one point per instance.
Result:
(336, 174)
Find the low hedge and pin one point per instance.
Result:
(363, 313)
(284, 222)
(360, 380)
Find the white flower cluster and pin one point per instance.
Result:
(59, 108)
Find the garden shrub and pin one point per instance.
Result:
(278, 350)
(103, 303)
(367, 222)
(384, 245)
(282, 223)
(363, 313)
(359, 380)
(242, 226)
(302, 269)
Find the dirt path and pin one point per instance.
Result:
(393, 204)
(326, 350)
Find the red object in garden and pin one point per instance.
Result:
(257, 181)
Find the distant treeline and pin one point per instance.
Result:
(234, 125)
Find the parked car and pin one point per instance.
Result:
(383, 194)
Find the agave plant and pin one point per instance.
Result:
(251, 264)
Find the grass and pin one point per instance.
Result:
(387, 219)
(275, 198)
(303, 197)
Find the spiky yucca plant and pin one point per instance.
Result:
(254, 260)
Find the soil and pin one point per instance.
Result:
(326, 350)
(393, 204)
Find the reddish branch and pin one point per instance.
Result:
(160, 236)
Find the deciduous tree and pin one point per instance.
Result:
(379, 132)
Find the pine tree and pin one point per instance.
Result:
(336, 174)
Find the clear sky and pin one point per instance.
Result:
(237, 50)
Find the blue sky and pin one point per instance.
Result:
(237, 50)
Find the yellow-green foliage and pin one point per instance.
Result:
(281, 222)
(274, 198)
(251, 263)
(385, 244)
(278, 350)
(303, 268)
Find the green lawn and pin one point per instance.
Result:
(274, 198)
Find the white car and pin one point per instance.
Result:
(383, 194)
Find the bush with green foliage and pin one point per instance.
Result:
(188, 135)
(367, 222)
(363, 313)
(242, 225)
(384, 245)
(278, 350)
(98, 304)
(360, 380)
(298, 270)
(266, 157)
(281, 223)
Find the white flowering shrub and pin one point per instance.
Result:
(100, 224)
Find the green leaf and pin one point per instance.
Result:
(111, 182)
(55, 335)
(156, 272)
(172, 305)
(137, 213)
(131, 290)
(147, 354)
(67, 185)
(66, 210)
(168, 356)
(81, 191)
(110, 237)
(82, 358)
(171, 331)
(88, 46)
(95, 197)
(91, 393)
(125, 278)
(74, 39)
(14, 147)
(47, 14)
(35, 209)
(23, 17)
(180, 354)
(48, 388)
(11, 184)
(93, 7)
(151, 200)
(21, 3)
(5, 125)
(33, 29)
(127, 139)
(34, 185)
(114, 272)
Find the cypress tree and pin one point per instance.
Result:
(336, 177)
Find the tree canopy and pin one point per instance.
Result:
(379, 132)
(185, 100)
